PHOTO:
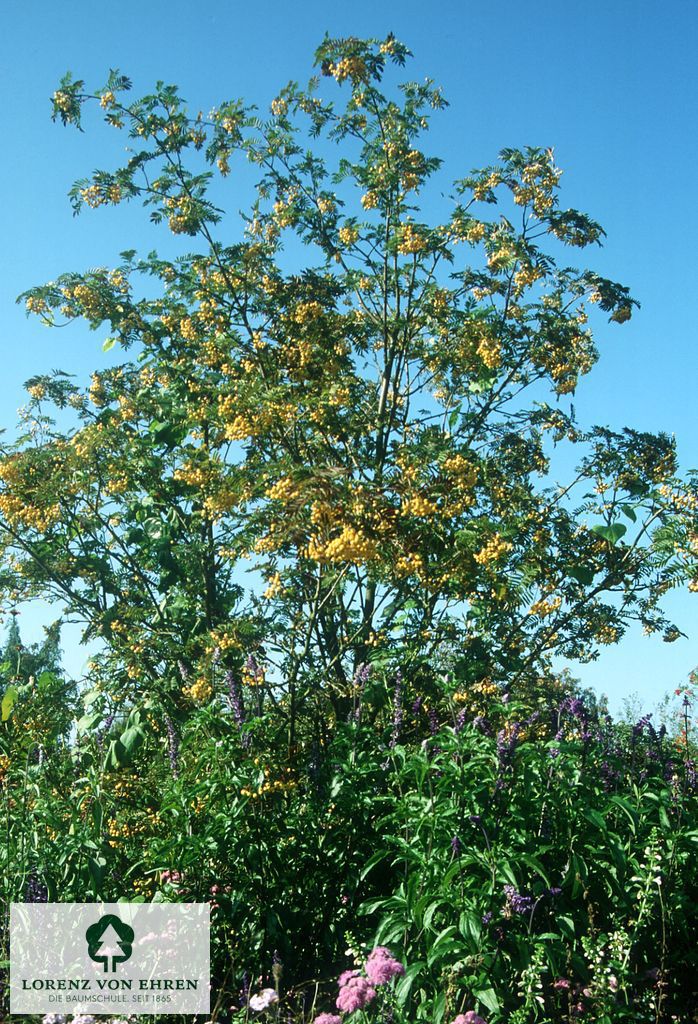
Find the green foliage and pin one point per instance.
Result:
(519, 858)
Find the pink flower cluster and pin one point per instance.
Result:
(357, 991)
(469, 1018)
(382, 967)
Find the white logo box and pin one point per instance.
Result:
(110, 958)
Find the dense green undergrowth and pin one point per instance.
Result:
(530, 860)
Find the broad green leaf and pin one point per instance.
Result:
(8, 701)
(612, 533)
(488, 997)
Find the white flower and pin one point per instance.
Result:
(264, 999)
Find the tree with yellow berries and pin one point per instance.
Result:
(309, 514)
(349, 402)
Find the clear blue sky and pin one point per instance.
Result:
(611, 84)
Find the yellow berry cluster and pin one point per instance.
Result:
(478, 696)
(348, 67)
(411, 241)
(63, 100)
(96, 195)
(182, 217)
(490, 351)
(17, 511)
(351, 545)
(144, 886)
(326, 204)
(200, 690)
(279, 106)
(544, 607)
(486, 184)
(239, 428)
(409, 564)
(462, 469)
(607, 634)
(281, 785)
(500, 256)
(494, 550)
(684, 501)
(35, 304)
(538, 181)
(418, 506)
(88, 298)
(348, 235)
(274, 587)
(306, 312)
(196, 475)
(253, 677)
(524, 277)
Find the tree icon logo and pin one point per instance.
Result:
(109, 939)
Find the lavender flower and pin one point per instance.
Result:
(516, 902)
(104, 731)
(456, 846)
(397, 709)
(610, 776)
(237, 704)
(172, 746)
(506, 743)
(482, 725)
(235, 694)
(362, 675)
(573, 706)
(640, 726)
(253, 668)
